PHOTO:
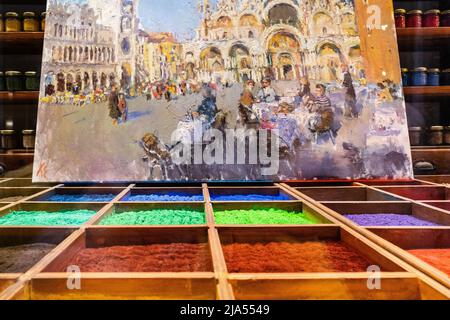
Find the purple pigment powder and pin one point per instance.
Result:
(389, 219)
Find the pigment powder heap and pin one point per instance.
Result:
(44, 218)
(174, 257)
(168, 197)
(319, 256)
(438, 258)
(17, 259)
(81, 197)
(262, 216)
(156, 217)
(391, 220)
(249, 197)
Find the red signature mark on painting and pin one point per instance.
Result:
(42, 171)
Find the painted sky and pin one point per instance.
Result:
(180, 17)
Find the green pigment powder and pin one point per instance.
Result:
(262, 216)
(156, 217)
(44, 218)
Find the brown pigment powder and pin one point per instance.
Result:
(293, 257)
(17, 259)
(175, 257)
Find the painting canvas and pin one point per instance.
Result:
(229, 90)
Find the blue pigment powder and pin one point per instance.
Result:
(249, 197)
(81, 197)
(168, 197)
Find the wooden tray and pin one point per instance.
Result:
(396, 282)
(51, 283)
(440, 179)
(119, 207)
(296, 206)
(264, 190)
(354, 193)
(163, 191)
(75, 191)
(418, 238)
(19, 192)
(13, 236)
(50, 207)
(443, 204)
(417, 210)
(419, 192)
(24, 182)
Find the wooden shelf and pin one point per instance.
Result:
(19, 97)
(21, 42)
(423, 38)
(441, 91)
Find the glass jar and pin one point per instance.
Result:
(43, 16)
(2, 81)
(433, 78)
(28, 139)
(415, 136)
(405, 77)
(12, 22)
(431, 19)
(447, 135)
(400, 18)
(414, 19)
(31, 81)
(445, 77)
(8, 139)
(30, 22)
(445, 18)
(436, 136)
(14, 81)
(2, 27)
(419, 77)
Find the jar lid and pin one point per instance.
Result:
(415, 128)
(27, 132)
(415, 12)
(30, 73)
(404, 70)
(447, 128)
(1, 73)
(7, 132)
(13, 73)
(400, 11)
(12, 14)
(437, 128)
(434, 70)
(421, 69)
(43, 14)
(433, 11)
(446, 70)
(29, 14)
(445, 12)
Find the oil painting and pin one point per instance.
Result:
(220, 90)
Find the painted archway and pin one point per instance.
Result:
(211, 60)
(283, 51)
(241, 62)
(329, 58)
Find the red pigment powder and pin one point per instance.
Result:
(274, 257)
(175, 257)
(438, 258)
